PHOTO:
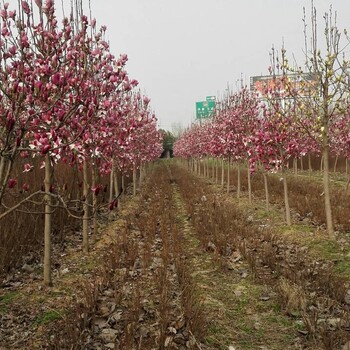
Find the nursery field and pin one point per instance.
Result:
(188, 264)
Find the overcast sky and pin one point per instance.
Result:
(184, 50)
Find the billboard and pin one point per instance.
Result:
(302, 84)
(205, 109)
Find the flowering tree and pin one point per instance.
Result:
(325, 101)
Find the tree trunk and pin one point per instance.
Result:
(238, 180)
(2, 172)
(295, 165)
(213, 162)
(286, 198)
(6, 167)
(301, 164)
(222, 172)
(141, 175)
(85, 208)
(111, 177)
(335, 163)
(228, 175)
(309, 165)
(267, 197)
(94, 204)
(48, 221)
(326, 188)
(116, 186)
(346, 165)
(123, 185)
(249, 186)
(216, 170)
(134, 179)
(321, 163)
(116, 183)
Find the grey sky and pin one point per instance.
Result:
(184, 50)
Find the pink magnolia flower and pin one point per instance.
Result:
(27, 167)
(96, 189)
(11, 183)
(25, 7)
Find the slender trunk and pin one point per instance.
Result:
(346, 165)
(208, 170)
(217, 170)
(85, 208)
(7, 166)
(141, 175)
(238, 180)
(145, 169)
(111, 176)
(116, 183)
(134, 179)
(321, 163)
(48, 222)
(267, 197)
(3, 180)
(326, 188)
(213, 163)
(5, 174)
(301, 164)
(116, 186)
(249, 186)
(295, 165)
(222, 172)
(2, 169)
(228, 175)
(335, 163)
(123, 185)
(309, 165)
(94, 204)
(286, 198)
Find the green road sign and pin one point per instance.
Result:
(205, 109)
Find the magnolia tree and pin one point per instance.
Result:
(326, 61)
(238, 121)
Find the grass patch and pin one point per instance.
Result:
(342, 267)
(327, 249)
(47, 317)
(6, 300)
